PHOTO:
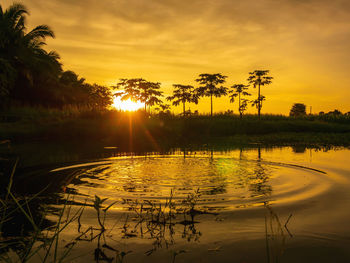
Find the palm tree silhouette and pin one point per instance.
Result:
(259, 78)
(183, 94)
(23, 52)
(240, 91)
(210, 87)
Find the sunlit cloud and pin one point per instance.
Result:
(303, 43)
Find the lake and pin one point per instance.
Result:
(278, 204)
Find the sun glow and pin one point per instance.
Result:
(127, 105)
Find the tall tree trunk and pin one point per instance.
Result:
(239, 105)
(259, 102)
(184, 108)
(145, 107)
(211, 105)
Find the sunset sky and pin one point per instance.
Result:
(304, 43)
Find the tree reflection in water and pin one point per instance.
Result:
(259, 185)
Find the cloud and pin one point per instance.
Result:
(302, 42)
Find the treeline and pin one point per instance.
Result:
(210, 85)
(29, 75)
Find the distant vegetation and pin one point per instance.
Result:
(39, 98)
(29, 75)
(298, 109)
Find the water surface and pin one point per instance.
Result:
(245, 205)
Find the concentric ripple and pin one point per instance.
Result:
(224, 182)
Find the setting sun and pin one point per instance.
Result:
(127, 105)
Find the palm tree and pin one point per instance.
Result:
(183, 94)
(240, 91)
(259, 78)
(24, 51)
(7, 78)
(210, 87)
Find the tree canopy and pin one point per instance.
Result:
(259, 78)
(183, 94)
(298, 109)
(139, 89)
(210, 85)
(31, 75)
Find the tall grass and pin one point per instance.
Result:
(138, 128)
(33, 244)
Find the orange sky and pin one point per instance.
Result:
(304, 43)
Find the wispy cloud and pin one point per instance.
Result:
(303, 42)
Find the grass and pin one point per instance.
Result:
(158, 220)
(33, 244)
(122, 129)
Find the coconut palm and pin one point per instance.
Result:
(7, 78)
(183, 94)
(259, 78)
(240, 91)
(209, 87)
(24, 51)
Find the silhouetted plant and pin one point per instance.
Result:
(243, 106)
(259, 78)
(209, 87)
(258, 102)
(240, 91)
(298, 109)
(130, 89)
(183, 94)
(140, 90)
(98, 207)
(335, 112)
(70, 78)
(150, 94)
(22, 53)
(163, 109)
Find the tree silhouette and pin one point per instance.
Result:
(209, 87)
(259, 78)
(71, 78)
(243, 106)
(240, 91)
(130, 89)
(150, 93)
(183, 94)
(7, 79)
(139, 89)
(23, 52)
(298, 109)
(258, 102)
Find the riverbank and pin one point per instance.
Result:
(137, 130)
